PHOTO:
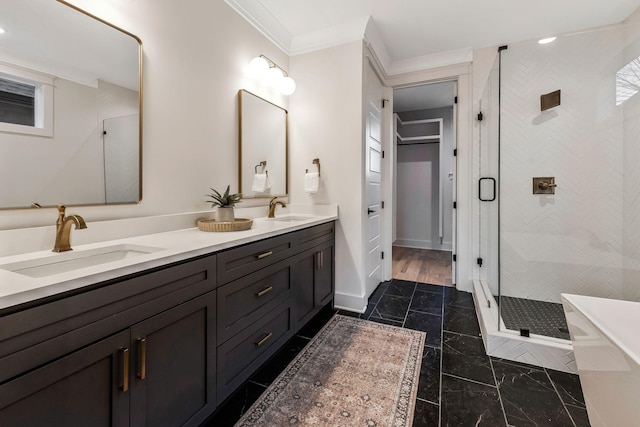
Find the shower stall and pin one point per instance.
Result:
(557, 161)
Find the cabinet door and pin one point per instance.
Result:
(86, 388)
(313, 278)
(324, 276)
(304, 265)
(173, 365)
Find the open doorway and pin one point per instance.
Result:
(424, 183)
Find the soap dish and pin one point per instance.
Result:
(212, 225)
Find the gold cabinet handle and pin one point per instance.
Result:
(124, 369)
(264, 255)
(264, 339)
(264, 291)
(142, 358)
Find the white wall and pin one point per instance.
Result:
(325, 122)
(631, 217)
(57, 162)
(195, 59)
(571, 241)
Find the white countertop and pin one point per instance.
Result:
(177, 245)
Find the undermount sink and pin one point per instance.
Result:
(74, 260)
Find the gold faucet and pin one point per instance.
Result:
(63, 229)
(272, 206)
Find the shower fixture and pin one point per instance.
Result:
(549, 100)
(544, 185)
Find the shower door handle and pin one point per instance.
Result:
(489, 199)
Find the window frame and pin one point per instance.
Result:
(43, 100)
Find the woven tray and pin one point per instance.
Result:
(212, 225)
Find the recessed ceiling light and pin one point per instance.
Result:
(547, 40)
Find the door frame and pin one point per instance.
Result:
(463, 191)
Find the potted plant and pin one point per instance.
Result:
(225, 203)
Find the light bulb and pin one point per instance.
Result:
(275, 76)
(287, 86)
(547, 40)
(258, 66)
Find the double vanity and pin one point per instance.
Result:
(156, 329)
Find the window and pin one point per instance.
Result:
(627, 81)
(26, 101)
(17, 103)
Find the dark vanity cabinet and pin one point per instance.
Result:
(140, 351)
(165, 346)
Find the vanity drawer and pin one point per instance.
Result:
(237, 262)
(243, 354)
(243, 301)
(312, 236)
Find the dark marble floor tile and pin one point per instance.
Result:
(429, 323)
(579, 415)
(281, 360)
(429, 384)
(464, 356)
(426, 414)
(368, 311)
(427, 287)
(452, 296)
(391, 307)
(528, 397)
(397, 323)
(349, 313)
(318, 321)
(231, 411)
(465, 403)
(378, 292)
(461, 320)
(426, 302)
(568, 386)
(400, 288)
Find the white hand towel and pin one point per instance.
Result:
(311, 182)
(260, 183)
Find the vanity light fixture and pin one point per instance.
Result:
(1, 30)
(546, 40)
(264, 68)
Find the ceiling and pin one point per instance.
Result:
(410, 29)
(423, 97)
(53, 38)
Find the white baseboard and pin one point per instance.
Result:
(350, 302)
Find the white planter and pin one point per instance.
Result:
(225, 214)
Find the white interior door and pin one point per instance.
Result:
(373, 180)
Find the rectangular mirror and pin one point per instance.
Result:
(70, 104)
(263, 151)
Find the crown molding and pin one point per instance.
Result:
(362, 28)
(262, 20)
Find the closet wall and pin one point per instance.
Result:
(420, 171)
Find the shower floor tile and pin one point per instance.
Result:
(540, 317)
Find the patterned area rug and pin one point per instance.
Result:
(353, 372)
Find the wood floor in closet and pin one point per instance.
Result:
(422, 265)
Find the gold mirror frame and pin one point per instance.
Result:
(34, 203)
(261, 160)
